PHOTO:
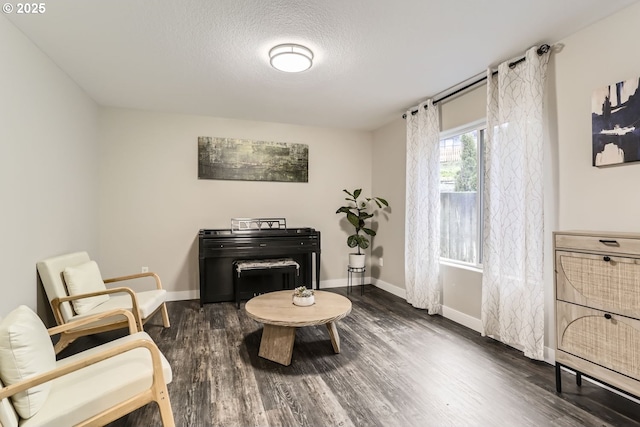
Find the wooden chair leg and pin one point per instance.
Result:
(165, 316)
(164, 405)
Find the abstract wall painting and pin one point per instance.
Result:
(247, 160)
(615, 123)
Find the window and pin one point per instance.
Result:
(461, 194)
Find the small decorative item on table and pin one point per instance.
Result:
(303, 297)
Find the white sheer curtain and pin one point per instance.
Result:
(512, 282)
(422, 230)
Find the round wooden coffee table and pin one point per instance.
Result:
(281, 318)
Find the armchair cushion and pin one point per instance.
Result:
(148, 301)
(83, 279)
(25, 350)
(8, 416)
(81, 394)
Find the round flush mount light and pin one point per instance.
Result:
(291, 58)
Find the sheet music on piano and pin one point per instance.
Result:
(239, 225)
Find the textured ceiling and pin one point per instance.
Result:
(373, 58)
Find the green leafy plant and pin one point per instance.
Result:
(303, 292)
(357, 215)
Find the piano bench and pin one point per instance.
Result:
(285, 266)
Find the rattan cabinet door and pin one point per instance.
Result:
(603, 338)
(604, 282)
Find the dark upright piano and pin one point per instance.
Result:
(219, 248)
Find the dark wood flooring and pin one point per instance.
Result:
(398, 367)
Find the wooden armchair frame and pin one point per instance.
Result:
(51, 274)
(156, 393)
(68, 336)
(163, 307)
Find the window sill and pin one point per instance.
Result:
(448, 263)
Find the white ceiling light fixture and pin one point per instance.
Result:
(291, 58)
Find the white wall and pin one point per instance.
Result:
(593, 198)
(48, 166)
(152, 203)
(389, 153)
(464, 109)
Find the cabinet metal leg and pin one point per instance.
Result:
(558, 378)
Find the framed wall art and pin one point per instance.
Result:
(247, 160)
(615, 123)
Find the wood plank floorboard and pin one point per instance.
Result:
(398, 366)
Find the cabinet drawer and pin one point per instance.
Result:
(608, 283)
(598, 244)
(608, 340)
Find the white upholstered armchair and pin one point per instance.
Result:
(75, 289)
(91, 388)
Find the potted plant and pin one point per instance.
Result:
(357, 214)
(303, 296)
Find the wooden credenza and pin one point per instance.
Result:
(597, 289)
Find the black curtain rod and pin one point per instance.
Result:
(541, 51)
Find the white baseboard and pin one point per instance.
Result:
(476, 325)
(462, 318)
(183, 295)
(550, 355)
(457, 316)
(392, 289)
